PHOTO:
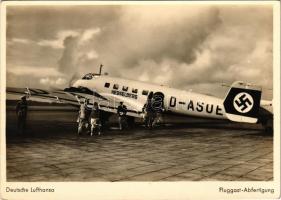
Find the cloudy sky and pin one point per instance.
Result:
(194, 47)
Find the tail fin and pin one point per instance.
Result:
(242, 102)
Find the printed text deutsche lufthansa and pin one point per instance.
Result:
(32, 189)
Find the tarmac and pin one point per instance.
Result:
(51, 151)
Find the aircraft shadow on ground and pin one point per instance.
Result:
(52, 129)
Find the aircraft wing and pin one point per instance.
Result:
(107, 102)
(73, 97)
(41, 97)
(112, 101)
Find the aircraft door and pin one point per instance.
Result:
(158, 101)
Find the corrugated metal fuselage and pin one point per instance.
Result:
(175, 100)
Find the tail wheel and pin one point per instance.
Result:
(268, 125)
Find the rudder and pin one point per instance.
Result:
(242, 102)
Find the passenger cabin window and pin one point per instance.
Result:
(88, 77)
(135, 90)
(125, 88)
(145, 92)
(115, 86)
(107, 85)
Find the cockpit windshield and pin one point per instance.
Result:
(88, 76)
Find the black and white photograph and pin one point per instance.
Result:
(140, 92)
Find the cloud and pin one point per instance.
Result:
(207, 47)
(34, 71)
(85, 36)
(53, 82)
(65, 68)
(88, 34)
(191, 46)
(92, 55)
(74, 53)
(20, 40)
(37, 77)
(44, 22)
(58, 42)
(51, 43)
(135, 38)
(67, 63)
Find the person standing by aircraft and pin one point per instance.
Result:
(158, 118)
(149, 111)
(122, 111)
(145, 116)
(95, 119)
(21, 111)
(158, 108)
(83, 116)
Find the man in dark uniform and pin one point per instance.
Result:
(149, 111)
(95, 119)
(122, 111)
(21, 111)
(158, 108)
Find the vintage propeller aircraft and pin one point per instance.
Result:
(242, 102)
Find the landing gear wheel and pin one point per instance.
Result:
(131, 122)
